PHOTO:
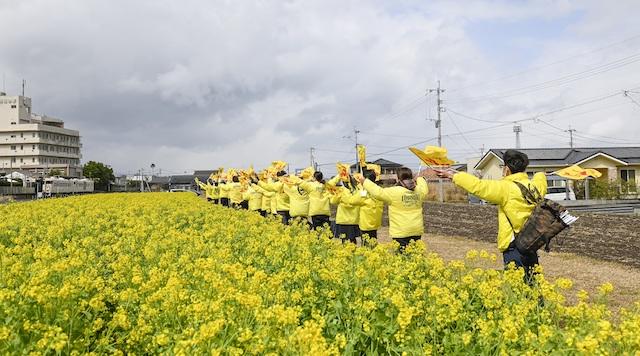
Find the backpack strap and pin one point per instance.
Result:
(530, 195)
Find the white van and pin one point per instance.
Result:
(560, 193)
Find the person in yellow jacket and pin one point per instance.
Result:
(298, 199)
(347, 214)
(215, 191)
(206, 187)
(405, 202)
(224, 192)
(254, 198)
(370, 210)
(281, 198)
(265, 204)
(513, 209)
(235, 192)
(319, 209)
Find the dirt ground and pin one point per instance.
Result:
(586, 273)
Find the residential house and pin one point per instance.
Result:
(619, 164)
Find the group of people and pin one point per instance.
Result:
(359, 200)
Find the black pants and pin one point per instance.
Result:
(285, 216)
(224, 201)
(318, 221)
(404, 241)
(347, 232)
(527, 261)
(244, 205)
(372, 235)
(215, 201)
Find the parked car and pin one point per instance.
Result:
(560, 193)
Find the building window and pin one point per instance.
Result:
(13, 148)
(21, 160)
(21, 134)
(13, 106)
(13, 159)
(21, 147)
(33, 134)
(13, 136)
(33, 159)
(628, 177)
(33, 147)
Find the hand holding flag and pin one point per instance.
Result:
(432, 156)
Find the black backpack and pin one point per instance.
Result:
(544, 223)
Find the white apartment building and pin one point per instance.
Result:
(36, 143)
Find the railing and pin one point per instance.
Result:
(17, 190)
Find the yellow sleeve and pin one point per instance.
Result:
(540, 182)
(306, 186)
(493, 191)
(353, 199)
(422, 188)
(335, 198)
(333, 181)
(376, 191)
(271, 186)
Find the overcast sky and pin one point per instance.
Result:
(201, 84)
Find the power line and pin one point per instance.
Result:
(569, 78)
(508, 76)
(626, 94)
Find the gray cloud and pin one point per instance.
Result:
(199, 84)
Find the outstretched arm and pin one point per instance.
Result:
(493, 191)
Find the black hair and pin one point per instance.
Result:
(369, 174)
(318, 176)
(516, 161)
(404, 173)
(281, 173)
(235, 179)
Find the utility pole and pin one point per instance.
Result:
(482, 150)
(23, 83)
(311, 158)
(517, 128)
(570, 131)
(141, 181)
(441, 109)
(355, 135)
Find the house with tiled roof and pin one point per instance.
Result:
(615, 163)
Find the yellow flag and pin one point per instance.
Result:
(432, 156)
(343, 171)
(376, 168)
(307, 173)
(279, 165)
(577, 172)
(362, 155)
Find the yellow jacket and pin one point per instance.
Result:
(370, 210)
(235, 192)
(318, 198)
(282, 199)
(215, 192)
(266, 197)
(254, 197)
(298, 200)
(405, 207)
(224, 190)
(346, 214)
(506, 194)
